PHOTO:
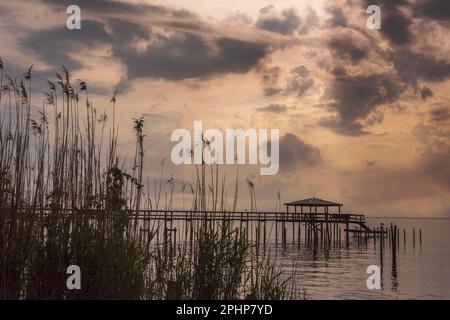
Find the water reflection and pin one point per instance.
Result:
(394, 277)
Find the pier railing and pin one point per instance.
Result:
(196, 215)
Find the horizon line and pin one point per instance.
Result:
(429, 218)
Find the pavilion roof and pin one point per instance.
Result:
(313, 202)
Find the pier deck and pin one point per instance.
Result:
(240, 216)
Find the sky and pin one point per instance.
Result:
(364, 115)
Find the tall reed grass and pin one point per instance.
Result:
(65, 198)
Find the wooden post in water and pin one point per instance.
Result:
(398, 236)
(389, 235)
(347, 233)
(420, 237)
(404, 237)
(394, 242)
(414, 237)
(375, 238)
(394, 248)
(381, 247)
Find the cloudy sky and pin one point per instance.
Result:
(363, 114)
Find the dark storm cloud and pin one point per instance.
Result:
(294, 152)
(339, 71)
(412, 66)
(301, 70)
(121, 7)
(433, 9)
(182, 55)
(124, 30)
(346, 48)
(55, 46)
(274, 108)
(286, 24)
(395, 23)
(440, 114)
(179, 55)
(166, 16)
(387, 3)
(338, 18)
(299, 86)
(396, 27)
(343, 127)
(300, 82)
(356, 98)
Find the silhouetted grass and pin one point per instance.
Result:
(65, 199)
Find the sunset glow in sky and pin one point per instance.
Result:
(364, 115)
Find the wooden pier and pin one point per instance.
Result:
(314, 220)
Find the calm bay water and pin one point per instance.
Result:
(420, 272)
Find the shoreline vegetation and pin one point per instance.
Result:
(64, 158)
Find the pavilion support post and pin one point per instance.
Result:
(306, 231)
(336, 231)
(315, 225)
(328, 238)
(310, 224)
(321, 232)
(339, 236)
(284, 227)
(300, 226)
(293, 225)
